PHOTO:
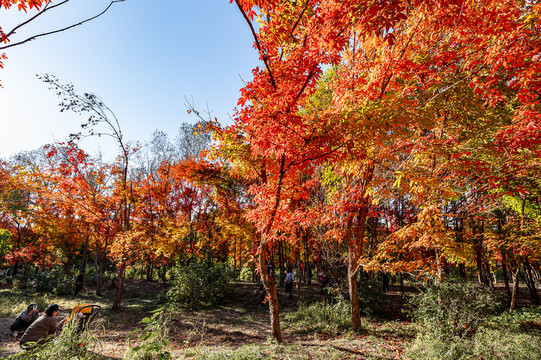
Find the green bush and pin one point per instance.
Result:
(514, 335)
(372, 300)
(246, 274)
(45, 282)
(506, 336)
(448, 310)
(459, 322)
(153, 340)
(199, 285)
(320, 317)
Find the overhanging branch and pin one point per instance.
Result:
(54, 31)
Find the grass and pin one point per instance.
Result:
(514, 335)
(269, 351)
(12, 303)
(318, 317)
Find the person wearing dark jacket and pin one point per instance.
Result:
(79, 282)
(25, 318)
(42, 330)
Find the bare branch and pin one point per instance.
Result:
(46, 8)
(55, 31)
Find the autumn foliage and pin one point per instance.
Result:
(398, 137)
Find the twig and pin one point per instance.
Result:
(55, 31)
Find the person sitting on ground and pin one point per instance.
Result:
(43, 329)
(25, 318)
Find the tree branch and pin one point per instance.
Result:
(263, 55)
(54, 31)
(46, 8)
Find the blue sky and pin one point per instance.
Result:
(142, 57)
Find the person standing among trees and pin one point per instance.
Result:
(290, 277)
(79, 282)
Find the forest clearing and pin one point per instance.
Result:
(239, 328)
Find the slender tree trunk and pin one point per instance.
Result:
(235, 268)
(307, 256)
(354, 298)
(100, 263)
(98, 276)
(402, 290)
(120, 287)
(478, 248)
(83, 261)
(298, 283)
(506, 280)
(531, 283)
(462, 270)
(488, 275)
(281, 263)
(352, 280)
(514, 276)
(253, 272)
(272, 296)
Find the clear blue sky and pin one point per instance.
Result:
(142, 57)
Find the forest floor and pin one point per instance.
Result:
(237, 326)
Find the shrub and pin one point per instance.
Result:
(514, 335)
(200, 285)
(44, 282)
(501, 337)
(454, 309)
(372, 300)
(153, 339)
(246, 274)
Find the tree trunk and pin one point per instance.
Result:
(506, 280)
(83, 261)
(514, 275)
(478, 248)
(120, 287)
(307, 257)
(272, 296)
(298, 283)
(100, 264)
(235, 258)
(281, 264)
(531, 283)
(149, 272)
(354, 299)
(98, 276)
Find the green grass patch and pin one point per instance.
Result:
(319, 317)
(267, 351)
(12, 302)
(506, 336)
